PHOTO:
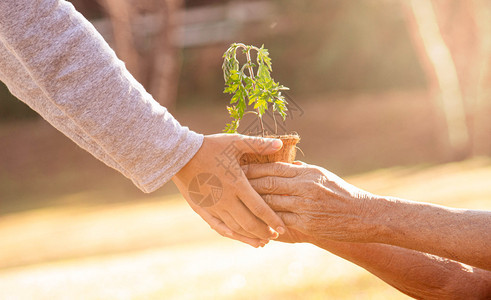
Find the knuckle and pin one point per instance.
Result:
(316, 190)
(306, 171)
(270, 184)
(310, 186)
(315, 172)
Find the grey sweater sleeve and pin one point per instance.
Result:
(55, 61)
(23, 87)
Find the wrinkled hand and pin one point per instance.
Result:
(313, 202)
(216, 188)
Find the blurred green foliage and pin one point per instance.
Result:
(353, 45)
(320, 47)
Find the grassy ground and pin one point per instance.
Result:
(158, 248)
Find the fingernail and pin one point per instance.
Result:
(280, 230)
(277, 144)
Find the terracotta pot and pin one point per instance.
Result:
(286, 154)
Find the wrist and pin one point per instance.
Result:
(184, 172)
(385, 218)
(377, 218)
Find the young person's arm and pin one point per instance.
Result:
(75, 81)
(81, 77)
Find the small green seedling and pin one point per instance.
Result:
(257, 90)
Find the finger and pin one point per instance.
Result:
(222, 229)
(276, 185)
(291, 219)
(259, 145)
(250, 223)
(282, 203)
(258, 207)
(254, 242)
(232, 224)
(280, 169)
(247, 240)
(215, 223)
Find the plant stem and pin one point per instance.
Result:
(251, 72)
(275, 124)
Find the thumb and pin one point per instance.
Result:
(259, 145)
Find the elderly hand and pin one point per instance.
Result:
(216, 188)
(313, 202)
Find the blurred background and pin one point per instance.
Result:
(393, 95)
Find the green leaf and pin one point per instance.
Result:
(234, 76)
(241, 106)
(263, 57)
(230, 89)
(232, 111)
(235, 98)
(280, 106)
(231, 127)
(263, 73)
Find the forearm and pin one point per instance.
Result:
(23, 87)
(461, 235)
(83, 80)
(414, 273)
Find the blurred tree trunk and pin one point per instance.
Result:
(452, 38)
(164, 78)
(121, 14)
(144, 37)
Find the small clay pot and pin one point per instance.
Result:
(286, 154)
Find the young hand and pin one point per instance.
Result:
(216, 188)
